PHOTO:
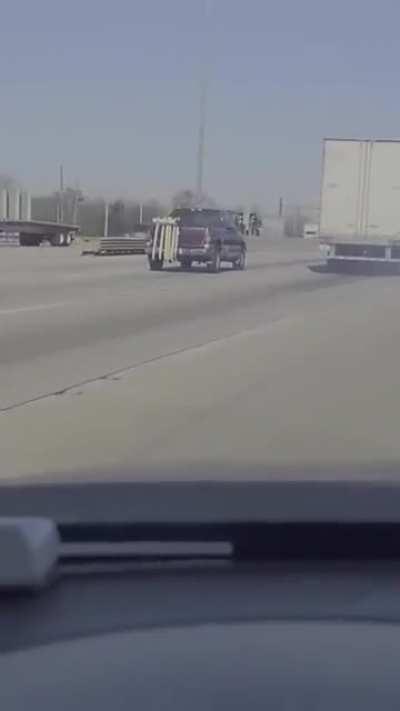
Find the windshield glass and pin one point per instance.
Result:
(201, 218)
(267, 349)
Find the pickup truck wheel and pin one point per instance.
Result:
(215, 265)
(240, 263)
(156, 265)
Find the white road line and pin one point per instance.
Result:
(36, 307)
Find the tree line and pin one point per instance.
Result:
(124, 215)
(73, 207)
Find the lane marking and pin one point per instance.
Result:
(36, 307)
(127, 369)
(124, 371)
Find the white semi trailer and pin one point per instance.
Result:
(360, 201)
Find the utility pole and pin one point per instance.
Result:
(201, 146)
(106, 218)
(201, 141)
(60, 211)
(77, 200)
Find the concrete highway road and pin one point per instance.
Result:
(110, 371)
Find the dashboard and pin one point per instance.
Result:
(271, 665)
(214, 636)
(304, 614)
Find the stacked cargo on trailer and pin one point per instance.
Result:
(360, 201)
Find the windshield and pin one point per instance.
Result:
(266, 349)
(201, 218)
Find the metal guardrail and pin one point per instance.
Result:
(9, 241)
(121, 245)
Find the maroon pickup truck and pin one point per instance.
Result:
(205, 237)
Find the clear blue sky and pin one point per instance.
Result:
(111, 90)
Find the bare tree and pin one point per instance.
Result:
(44, 207)
(88, 213)
(188, 199)
(153, 208)
(7, 182)
(184, 198)
(117, 218)
(91, 217)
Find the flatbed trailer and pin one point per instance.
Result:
(33, 232)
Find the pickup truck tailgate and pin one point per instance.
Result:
(192, 237)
